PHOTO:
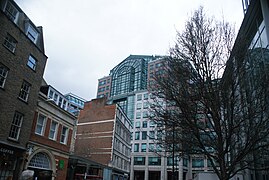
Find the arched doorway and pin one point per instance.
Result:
(41, 164)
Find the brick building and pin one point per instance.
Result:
(22, 63)
(103, 136)
(52, 136)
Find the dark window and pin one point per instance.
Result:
(197, 163)
(137, 135)
(139, 160)
(64, 135)
(32, 33)
(143, 147)
(3, 75)
(11, 11)
(10, 43)
(156, 161)
(16, 126)
(139, 97)
(136, 147)
(40, 124)
(144, 135)
(145, 124)
(24, 91)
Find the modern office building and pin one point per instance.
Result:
(76, 103)
(253, 43)
(124, 80)
(52, 136)
(103, 136)
(22, 63)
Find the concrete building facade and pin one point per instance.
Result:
(22, 63)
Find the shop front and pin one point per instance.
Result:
(11, 161)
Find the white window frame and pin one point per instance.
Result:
(43, 125)
(31, 63)
(32, 33)
(25, 91)
(55, 131)
(3, 75)
(16, 126)
(11, 11)
(10, 43)
(65, 135)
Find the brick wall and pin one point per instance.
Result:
(18, 71)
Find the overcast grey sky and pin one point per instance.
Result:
(85, 39)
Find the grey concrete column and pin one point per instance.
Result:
(180, 169)
(163, 168)
(146, 169)
(132, 168)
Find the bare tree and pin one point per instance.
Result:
(213, 106)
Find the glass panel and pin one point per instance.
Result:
(31, 62)
(156, 161)
(40, 160)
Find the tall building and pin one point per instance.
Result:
(128, 86)
(254, 59)
(124, 80)
(103, 136)
(22, 63)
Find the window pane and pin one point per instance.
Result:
(138, 115)
(16, 126)
(40, 124)
(64, 135)
(145, 124)
(53, 129)
(31, 62)
(3, 75)
(25, 90)
(139, 97)
(197, 163)
(137, 135)
(32, 34)
(137, 124)
(136, 147)
(139, 160)
(143, 147)
(10, 43)
(144, 135)
(156, 161)
(11, 11)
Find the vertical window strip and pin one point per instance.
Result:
(3, 75)
(16, 126)
(31, 62)
(10, 43)
(24, 91)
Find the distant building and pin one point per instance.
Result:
(22, 64)
(76, 103)
(124, 79)
(52, 137)
(103, 136)
(104, 86)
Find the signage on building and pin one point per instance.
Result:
(61, 164)
(6, 151)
